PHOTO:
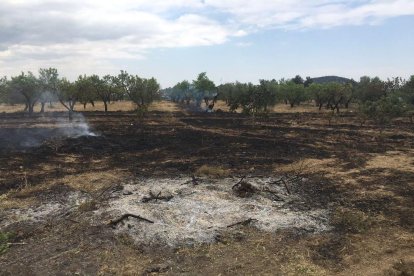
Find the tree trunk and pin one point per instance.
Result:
(31, 108)
(42, 109)
(106, 106)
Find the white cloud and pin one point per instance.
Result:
(312, 14)
(34, 33)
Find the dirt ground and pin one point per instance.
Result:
(52, 187)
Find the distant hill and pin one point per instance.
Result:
(327, 79)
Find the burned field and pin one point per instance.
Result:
(205, 193)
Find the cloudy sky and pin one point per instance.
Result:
(229, 39)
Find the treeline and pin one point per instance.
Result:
(376, 99)
(49, 87)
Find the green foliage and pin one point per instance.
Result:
(407, 93)
(49, 80)
(49, 83)
(298, 80)
(3, 89)
(370, 89)
(142, 92)
(252, 99)
(5, 238)
(86, 91)
(105, 89)
(68, 93)
(332, 95)
(28, 86)
(319, 94)
(205, 89)
(292, 93)
(383, 110)
(182, 92)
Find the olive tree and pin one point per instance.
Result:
(383, 110)
(183, 91)
(29, 87)
(205, 90)
(105, 89)
(142, 92)
(86, 91)
(68, 94)
(292, 92)
(49, 82)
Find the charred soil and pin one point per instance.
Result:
(362, 177)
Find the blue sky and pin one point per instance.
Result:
(230, 40)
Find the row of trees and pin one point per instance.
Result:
(201, 89)
(48, 87)
(374, 97)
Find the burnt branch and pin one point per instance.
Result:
(274, 194)
(243, 222)
(238, 183)
(115, 222)
(156, 197)
(286, 186)
(194, 180)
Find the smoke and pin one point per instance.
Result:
(20, 133)
(76, 128)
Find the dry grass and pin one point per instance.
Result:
(99, 106)
(89, 205)
(7, 202)
(93, 181)
(123, 260)
(397, 160)
(353, 221)
(308, 166)
(333, 167)
(212, 171)
(164, 106)
(250, 252)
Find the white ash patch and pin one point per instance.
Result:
(42, 212)
(197, 213)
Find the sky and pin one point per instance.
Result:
(231, 40)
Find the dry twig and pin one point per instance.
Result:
(156, 197)
(113, 223)
(243, 222)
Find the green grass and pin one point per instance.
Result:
(5, 238)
